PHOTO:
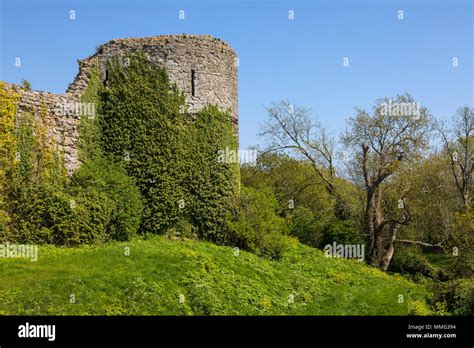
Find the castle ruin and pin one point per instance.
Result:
(204, 69)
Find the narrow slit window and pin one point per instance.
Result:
(193, 86)
(106, 79)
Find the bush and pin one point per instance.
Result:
(462, 227)
(182, 229)
(341, 232)
(40, 204)
(255, 225)
(100, 204)
(306, 226)
(47, 214)
(464, 297)
(461, 266)
(411, 263)
(76, 219)
(110, 179)
(457, 294)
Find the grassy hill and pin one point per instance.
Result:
(164, 277)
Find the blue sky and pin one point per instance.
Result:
(300, 60)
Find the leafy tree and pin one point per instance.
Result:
(459, 148)
(290, 128)
(383, 141)
(293, 182)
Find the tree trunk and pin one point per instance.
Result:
(369, 221)
(391, 249)
(379, 231)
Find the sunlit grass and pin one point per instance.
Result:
(213, 281)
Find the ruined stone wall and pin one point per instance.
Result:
(204, 68)
(211, 63)
(61, 125)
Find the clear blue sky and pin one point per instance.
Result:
(299, 60)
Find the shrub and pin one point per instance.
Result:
(341, 232)
(111, 180)
(52, 215)
(76, 219)
(462, 227)
(457, 294)
(412, 263)
(33, 181)
(182, 229)
(306, 226)
(464, 297)
(461, 266)
(100, 204)
(255, 226)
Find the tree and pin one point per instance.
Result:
(290, 129)
(428, 188)
(395, 133)
(294, 182)
(459, 146)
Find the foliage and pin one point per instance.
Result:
(428, 195)
(341, 232)
(255, 226)
(140, 123)
(307, 226)
(411, 263)
(26, 85)
(291, 181)
(209, 184)
(38, 168)
(457, 294)
(302, 197)
(449, 266)
(459, 148)
(8, 97)
(383, 142)
(182, 229)
(144, 124)
(43, 206)
(56, 217)
(462, 230)
(88, 127)
(120, 190)
(100, 204)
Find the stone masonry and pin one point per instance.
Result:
(203, 67)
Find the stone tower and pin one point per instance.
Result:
(203, 67)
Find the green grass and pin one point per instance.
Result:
(211, 278)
